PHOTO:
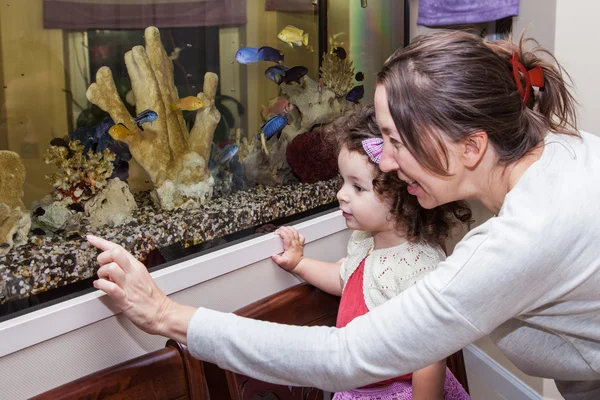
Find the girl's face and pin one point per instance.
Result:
(360, 205)
(431, 190)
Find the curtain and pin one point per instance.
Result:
(451, 12)
(138, 14)
(289, 5)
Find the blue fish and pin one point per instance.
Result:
(294, 74)
(145, 116)
(273, 126)
(228, 152)
(276, 73)
(247, 55)
(97, 139)
(267, 53)
(101, 136)
(357, 93)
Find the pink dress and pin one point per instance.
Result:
(352, 305)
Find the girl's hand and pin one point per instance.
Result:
(293, 248)
(127, 282)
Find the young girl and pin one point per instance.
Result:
(395, 243)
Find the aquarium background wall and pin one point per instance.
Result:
(48, 60)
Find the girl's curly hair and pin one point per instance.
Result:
(431, 226)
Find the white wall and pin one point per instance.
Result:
(569, 30)
(576, 47)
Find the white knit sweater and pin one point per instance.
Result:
(388, 271)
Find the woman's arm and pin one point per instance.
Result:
(428, 382)
(391, 340)
(466, 297)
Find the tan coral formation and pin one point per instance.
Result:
(15, 220)
(175, 159)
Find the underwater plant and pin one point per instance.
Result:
(337, 74)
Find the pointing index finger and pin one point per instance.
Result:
(100, 243)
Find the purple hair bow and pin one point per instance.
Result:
(373, 147)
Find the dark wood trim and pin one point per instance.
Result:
(303, 305)
(456, 364)
(194, 371)
(169, 373)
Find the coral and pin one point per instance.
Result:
(79, 176)
(14, 217)
(247, 146)
(311, 158)
(228, 175)
(96, 138)
(113, 206)
(312, 108)
(337, 74)
(270, 170)
(176, 160)
(12, 177)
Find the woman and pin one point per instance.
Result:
(461, 119)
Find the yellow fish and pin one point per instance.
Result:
(119, 131)
(190, 103)
(293, 36)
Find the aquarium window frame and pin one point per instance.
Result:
(47, 323)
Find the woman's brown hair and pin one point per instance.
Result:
(431, 226)
(452, 84)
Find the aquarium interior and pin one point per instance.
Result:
(170, 130)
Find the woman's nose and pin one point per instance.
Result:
(388, 162)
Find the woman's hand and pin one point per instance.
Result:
(127, 282)
(293, 248)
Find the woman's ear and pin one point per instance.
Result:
(474, 147)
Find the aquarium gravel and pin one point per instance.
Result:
(47, 262)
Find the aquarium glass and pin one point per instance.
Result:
(172, 127)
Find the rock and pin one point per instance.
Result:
(57, 216)
(113, 206)
(192, 186)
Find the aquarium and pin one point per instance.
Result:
(172, 127)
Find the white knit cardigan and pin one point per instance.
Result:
(388, 271)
